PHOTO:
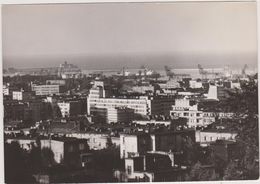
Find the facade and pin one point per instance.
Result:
(66, 150)
(24, 142)
(69, 108)
(151, 167)
(136, 144)
(119, 114)
(47, 89)
(22, 95)
(66, 71)
(185, 108)
(217, 93)
(6, 90)
(150, 122)
(96, 141)
(171, 84)
(161, 105)
(195, 84)
(141, 105)
(206, 137)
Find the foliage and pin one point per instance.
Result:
(17, 168)
(245, 104)
(201, 173)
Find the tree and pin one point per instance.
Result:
(245, 121)
(47, 157)
(201, 173)
(17, 168)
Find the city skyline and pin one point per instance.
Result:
(181, 35)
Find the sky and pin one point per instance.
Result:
(116, 35)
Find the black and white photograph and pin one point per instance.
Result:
(108, 92)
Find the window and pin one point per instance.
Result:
(81, 146)
(129, 169)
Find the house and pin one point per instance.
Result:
(150, 167)
(66, 150)
(205, 137)
(138, 143)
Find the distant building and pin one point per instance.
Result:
(217, 93)
(96, 141)
(141, 105)
(171, 84)
(150, 167)
(56, 82)
(195, 84)
(205, 137)
(186, 108)
(69, 108)
(161, 105)
(23, 95)
(119, 114)
(152, 122)
(135, 144)
(66, 71)
(25, 143)
(47, 89)
(6, 90)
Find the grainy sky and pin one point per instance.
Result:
(113, 35)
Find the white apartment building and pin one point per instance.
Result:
(69, 108)
(97, 98)
(195, 84)
(6, 90)
(17, 95)
(184, 108)
(21, 95)
(206, 137)
(46, 89)
(140, 105)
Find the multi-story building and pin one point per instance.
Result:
(135, 144)
(66, 71)
(152, 166)
(217, 93)
(186, 108)
(96, 141)
(6, 90)
(66, 150)
(69, 108)
(171, 84)
(22, 95)
(195, 84)
(205, 137)
(47, 89)
(161, 105)
(143, 105)
(152, 122)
